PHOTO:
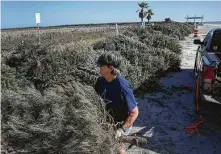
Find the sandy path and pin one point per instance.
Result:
(165, 113)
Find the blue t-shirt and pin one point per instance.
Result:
(118, 96)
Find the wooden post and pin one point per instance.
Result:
(116, 27)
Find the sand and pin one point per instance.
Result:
(164, 114)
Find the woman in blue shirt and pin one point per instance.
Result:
(116, 92)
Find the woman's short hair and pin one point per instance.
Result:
(110, 58)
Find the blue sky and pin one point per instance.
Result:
(22, 14)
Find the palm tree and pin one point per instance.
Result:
(149, 14)
(142, 14)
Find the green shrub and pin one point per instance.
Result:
(48, 104)
(68, 118)
(142, 61)
(49, 65)
(175, 30)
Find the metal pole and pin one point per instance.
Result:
(38, 35)
(202, 20)
(195, 21)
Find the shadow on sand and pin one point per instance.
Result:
(164, 114)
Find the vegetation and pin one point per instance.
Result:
(48, 103)
(168, 20)
(149, 14)
(142, 13)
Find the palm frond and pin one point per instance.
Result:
(143, 5)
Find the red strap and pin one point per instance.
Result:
(191, 129)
